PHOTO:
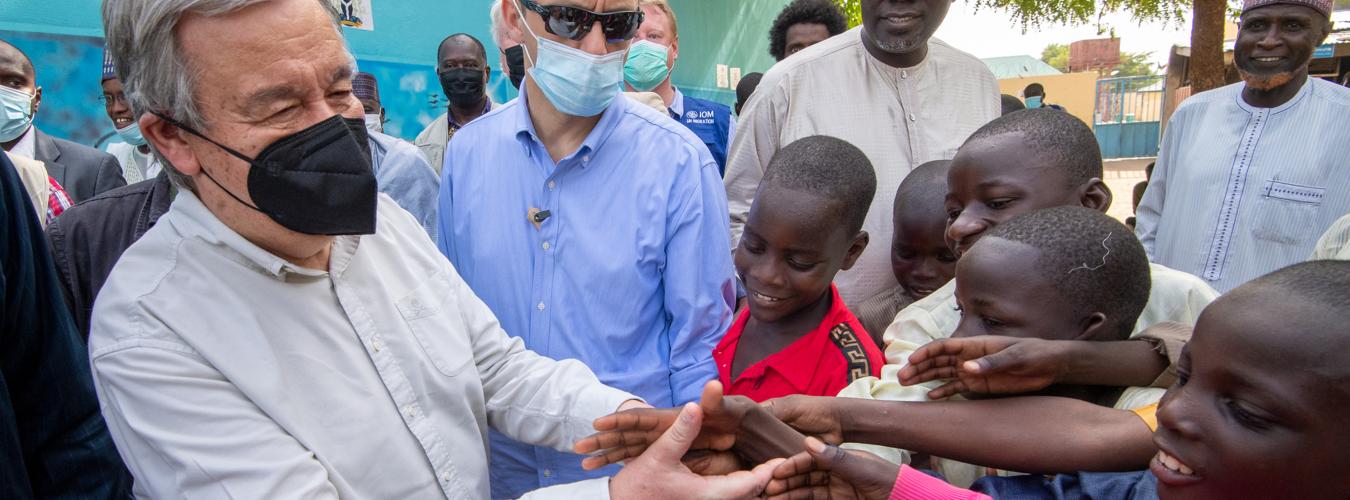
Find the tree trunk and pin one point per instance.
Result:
(1206, 64)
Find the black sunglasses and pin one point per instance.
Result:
(575, 23)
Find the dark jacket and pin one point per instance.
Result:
(88, 238)
(53, 442)
(82, 171)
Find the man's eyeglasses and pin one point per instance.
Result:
(575, 23)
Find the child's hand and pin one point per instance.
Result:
(627, 434)
(813, 416)
(987, 364)
(827, 472)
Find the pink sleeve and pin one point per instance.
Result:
(915, 485)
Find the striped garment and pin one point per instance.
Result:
(58, 201)
(1335, 243)
(1240, 191)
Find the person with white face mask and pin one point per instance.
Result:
(650, 61)
(133, 153)
(400, 169)
(584, 221)
(81, 171)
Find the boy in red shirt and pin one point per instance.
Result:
(797, 336)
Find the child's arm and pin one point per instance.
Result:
(829, 472)
(1008, 365)
(1028, 434)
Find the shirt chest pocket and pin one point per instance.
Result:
(1287, 213)
(432, 313)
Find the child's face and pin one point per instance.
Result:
(998, 178)
(1001, 292)
(1259, 410)
(793, 245)
(920, 258)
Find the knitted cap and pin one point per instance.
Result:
(365, 86)
(1323, 6)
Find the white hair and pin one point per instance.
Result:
(498, 26)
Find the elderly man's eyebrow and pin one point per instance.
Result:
(343, 72)
(259, 100)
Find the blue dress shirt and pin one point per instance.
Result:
(628, 273)
(404, 174)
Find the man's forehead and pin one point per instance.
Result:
(13, 62)
(594, 5)
(460, 50)
(1281, 10)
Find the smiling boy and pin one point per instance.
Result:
(796, 336)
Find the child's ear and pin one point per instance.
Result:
(1095, 195)
(855, 250)
(1090, 328)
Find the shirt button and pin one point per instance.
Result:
(548, 473)
(552, 184)
(586, 158)
(445, 476)
(408, 410)
(540, 306)
(912, 117)
(904, 74)
(376, 345)
(547, 246)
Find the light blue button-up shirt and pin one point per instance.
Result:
(629, 273)
(404, 174)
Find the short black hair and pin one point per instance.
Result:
(1093, 260)
(823, 12)
(1061, 139)
(1011, 103)
(1323, 283)
(745, 88)
(482, 51)
(24, 61)
(1034, 89)
(923, 189)
(829, 168)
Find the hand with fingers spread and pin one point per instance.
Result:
(627, 434)
(659, 474)
(988, 364)
(811, 415)
(828, 472)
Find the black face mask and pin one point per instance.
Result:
(463, 86)
(515, 63)
(315, 181)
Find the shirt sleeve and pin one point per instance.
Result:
(530, 398)
(590, 489)
(186, 431)
(445, 202)
(912, 484)
(750, 152)
(1151, 206)
(700, 291)
(1168, 339)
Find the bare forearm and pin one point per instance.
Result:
(1027, 434)
(1127, 363)
(761, 437)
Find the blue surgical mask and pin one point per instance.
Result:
(132, 134)
(577, 82)
(1033, 102)
(646, 66)
(16, 113)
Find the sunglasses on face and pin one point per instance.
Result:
(575, 23)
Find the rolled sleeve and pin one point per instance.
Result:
(1168, 339)
(700, 291)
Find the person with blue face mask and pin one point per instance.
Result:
(81, 172)
(650, 60)
(1034, 95)
(133, 153)
(586, 223)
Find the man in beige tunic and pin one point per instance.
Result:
(889, 88)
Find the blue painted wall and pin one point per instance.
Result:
(64, 39)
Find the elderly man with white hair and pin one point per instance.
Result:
(286, 332)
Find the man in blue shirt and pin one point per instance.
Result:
(400, 169)
(647, 69)
(593, 227)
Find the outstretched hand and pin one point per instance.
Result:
(659, 474)
(627, 434)
(986, 364)
(828, 472)
(811, 415)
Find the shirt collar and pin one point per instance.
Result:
(1302, 93)
(609, 120)
(27, 145)
(801, 375)
(193, 219)
(450, 115)
(677, 103)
